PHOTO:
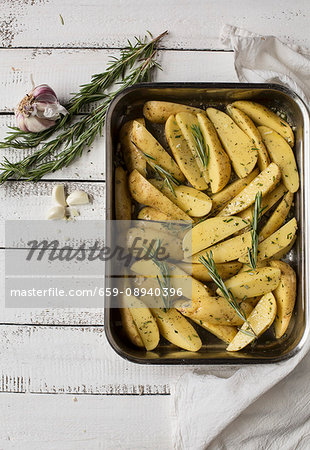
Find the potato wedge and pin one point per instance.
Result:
(278, 217)
(263, 116)
(215, 311)
(220, 199)
(122, 197)
(199, 302)
(264, 183)
(193, 202)
(132, 156)
(268, 202)
(149, 213)
(225, 333)
(146, 142)
(130, 328)
(145, 193)
(186, 121)
(219, 168)
(183, 155)
(145, 322)
(209, 232)
(245, 123)
(285, 295)
(276, 242)
(282, 155)
(140, 239)
(260, 319)
(159, 112)
(254, 283)
(282, 253)
(228, 250)
(236, 143)
(176, 329)
(200, 272)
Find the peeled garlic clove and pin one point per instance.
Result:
(58, 195)
(77, 198)
(56, 212)
(74, 212)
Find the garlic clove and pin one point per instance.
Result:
(74, 212)
(78, 198)
(58, 195)
(56, 212)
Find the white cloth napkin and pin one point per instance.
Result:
(206, 402)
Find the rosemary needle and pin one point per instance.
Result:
(201, 150)
(164, 278)
(209, 263)
(134, 65)
(168, 179)
(257, 213)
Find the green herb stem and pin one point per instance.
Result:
(209, 263)
(72, 138)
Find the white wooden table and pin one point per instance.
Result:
(62, 386)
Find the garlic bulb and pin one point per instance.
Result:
(77, 198)
(38, 110)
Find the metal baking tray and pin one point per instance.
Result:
(127, 105)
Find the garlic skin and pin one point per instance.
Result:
(78, 198)
(56, 213)
(58, 195)
(38, 110)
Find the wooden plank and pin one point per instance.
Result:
(66, 422)
(106, 23)
(75, 67)
(74, 360)
(31, 201)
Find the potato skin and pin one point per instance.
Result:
(246, 125)
(236, 143)
(254, 283)
(263, 116)
(146, 194)
(219, 168)
(278, 217)
(278, 241)
(192, 201)
(176, 329)
(146, 143)
(130, 327)
(220, 199)
(183, 154)
(260, 319)
(122, 196)
(132, 157)
(282, 155)
(159, 112)
(285, 295)
(264, 183)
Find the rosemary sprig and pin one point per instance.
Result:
(166, 176)
(138, 59)
(164, 278)
(209, 263)
(257, 215)
(202, 151)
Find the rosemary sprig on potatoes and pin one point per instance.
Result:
(202, 150)
(257, 214)
(209, 263)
